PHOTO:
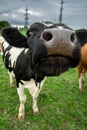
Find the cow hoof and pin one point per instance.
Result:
(21, 116)
(12, 85)
(35, 111)
(81, 90)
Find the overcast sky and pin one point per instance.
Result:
(74, 11)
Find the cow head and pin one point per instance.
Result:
(53, 49)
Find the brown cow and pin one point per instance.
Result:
(82, 67)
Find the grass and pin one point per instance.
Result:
(62, 106)
(23, 31)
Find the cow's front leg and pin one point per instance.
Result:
(35, 99)
(34, 91)
(22, 98)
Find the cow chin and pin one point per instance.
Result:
(55, 65)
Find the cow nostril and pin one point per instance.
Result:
(47, 36)
(72, 37)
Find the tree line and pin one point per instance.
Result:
(4, 24)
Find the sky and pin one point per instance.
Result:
(74, 12)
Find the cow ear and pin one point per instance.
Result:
(82, 36)
(14, 37)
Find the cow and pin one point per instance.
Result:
(82, 67)
(45, 51)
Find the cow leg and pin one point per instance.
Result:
(22, 98)
(81, 81)
(11, 79)
(34, 91)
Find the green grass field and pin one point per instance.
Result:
(61, 105)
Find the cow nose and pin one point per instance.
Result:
(47, 36)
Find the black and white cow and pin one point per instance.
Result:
(46, 51)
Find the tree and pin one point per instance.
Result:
(4, 24)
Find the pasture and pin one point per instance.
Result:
(61, 105)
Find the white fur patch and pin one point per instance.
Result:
(14, 53)
(26, 51)
(28, 84)
(31, 83)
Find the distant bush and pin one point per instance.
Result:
(4, 24)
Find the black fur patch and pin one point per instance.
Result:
(82, 36)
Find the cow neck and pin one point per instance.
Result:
(38, 77)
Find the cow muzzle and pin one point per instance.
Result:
(59, 41)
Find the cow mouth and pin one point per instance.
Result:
(54, 65)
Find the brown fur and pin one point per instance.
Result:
(82, 67)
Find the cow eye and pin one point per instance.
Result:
(72, 37)
(29, 34)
